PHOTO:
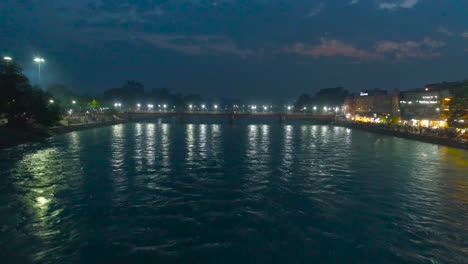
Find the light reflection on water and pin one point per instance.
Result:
(198, 192)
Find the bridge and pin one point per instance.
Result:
(230, 116)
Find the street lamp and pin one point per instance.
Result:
(7, 58)
(190, 106)
(315, 108)
(215, 106)
(39, 61)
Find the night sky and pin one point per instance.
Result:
(239, 48)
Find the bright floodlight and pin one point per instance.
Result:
(138, 105)
(289, 107)
(190, 106)
(37, 59)
(7, 58)
(51, 101)
(265, 108)
(203, 106)
(215, 106)
(315, 108)
(73, 102)
(164, 106)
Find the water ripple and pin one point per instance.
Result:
(158, 192)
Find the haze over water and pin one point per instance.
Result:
(216, 193)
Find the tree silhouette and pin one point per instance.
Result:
(21, 102)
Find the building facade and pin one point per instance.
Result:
(372, 103)
(425, 107)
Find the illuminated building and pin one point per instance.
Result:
(372, 103)
(425, 107)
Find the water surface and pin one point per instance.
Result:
(250, 193)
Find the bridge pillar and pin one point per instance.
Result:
(282, 118)
(180, 118)
(231, 118)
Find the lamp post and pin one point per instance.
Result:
(39, 61)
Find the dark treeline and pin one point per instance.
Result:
(327, 97)
(21, 102)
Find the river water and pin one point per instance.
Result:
(249, 193)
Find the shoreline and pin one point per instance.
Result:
(11, 137)
(399, 134)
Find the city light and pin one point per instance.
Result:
(325, 108)
(315, 108)
(190, 106)
(7, 58)
(73, 102)
(289, 107)
(165, 106)
(254, 107)
(215, 106)
(39, 61)
(138, 105)
(265, 108)
(150, 106)
(437, 109)
(51, 101)
(305, 108)
(117, 104)
(203, 106)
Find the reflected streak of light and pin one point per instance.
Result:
(252, 139)
(215, 139)
(117, 147)
(288, 146)
(138, 147)
(75, 142)
(42, 202)
(165, 144)
(150, 144)
(190, 142)
(265, 138)
(202, 141)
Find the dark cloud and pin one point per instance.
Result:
(266, 44)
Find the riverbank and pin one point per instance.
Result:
(393, 131)
(11, 136)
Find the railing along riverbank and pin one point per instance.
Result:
(448, 137)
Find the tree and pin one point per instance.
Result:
(303, 101)
(12, 82)
(22, 102)
(130, 93)
(61, 93)
(331, 97)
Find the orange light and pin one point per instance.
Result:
(447, 99)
